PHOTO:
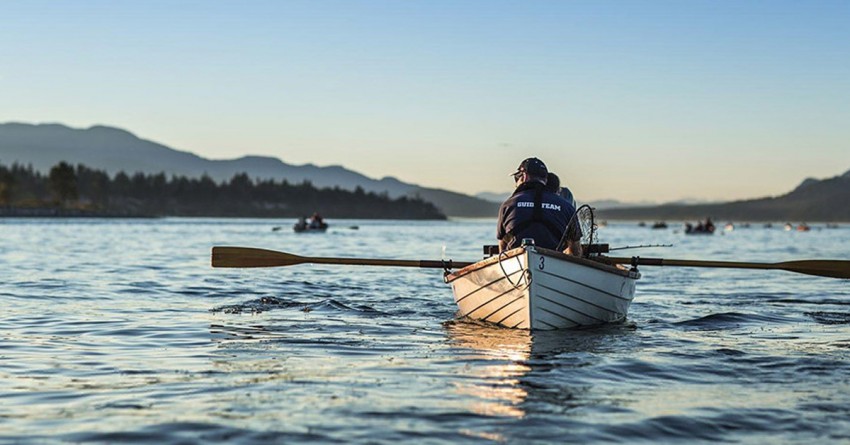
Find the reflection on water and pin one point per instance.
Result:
(512, 366)
(502, 356)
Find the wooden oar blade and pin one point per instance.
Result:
(821, 268)
(224, 256)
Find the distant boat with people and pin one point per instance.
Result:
(300, 228)
(803, 227)
(701, 228)
(315, 225)
(659, 225)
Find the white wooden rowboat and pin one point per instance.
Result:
(535, 288)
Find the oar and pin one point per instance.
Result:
(822, 268)
(251, 257)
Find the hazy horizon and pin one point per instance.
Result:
(638, 101)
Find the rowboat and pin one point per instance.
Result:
(531, 287)
(690, 230)
(310, 228)
(541, 289)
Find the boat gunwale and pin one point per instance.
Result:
(596, 264)
(600, 265)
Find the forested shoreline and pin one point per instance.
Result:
(69, 190)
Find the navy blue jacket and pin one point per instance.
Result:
(545, 220)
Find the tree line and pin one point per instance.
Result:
(86, 190)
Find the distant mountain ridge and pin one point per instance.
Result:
(813, 200)
(599, 204)
(113, 150)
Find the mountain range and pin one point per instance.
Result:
(113, 150)
(826, 200)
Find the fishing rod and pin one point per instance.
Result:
(642, 246)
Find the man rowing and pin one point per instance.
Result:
(535, 212)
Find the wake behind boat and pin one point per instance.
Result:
(535, 288)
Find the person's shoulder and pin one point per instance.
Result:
(524, 192)
(508, 202)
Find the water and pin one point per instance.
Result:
(120, 331)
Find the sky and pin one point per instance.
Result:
(629, 100)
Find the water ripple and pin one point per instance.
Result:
(132, 337)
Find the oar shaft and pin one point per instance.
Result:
(689, 263)
(229, 256)
(385, 262)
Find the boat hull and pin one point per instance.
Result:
(535, 288)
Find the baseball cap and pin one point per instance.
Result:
(534, 167)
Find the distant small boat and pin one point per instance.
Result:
(788, 226)
(729, 227)
(831, 226)
(659, 225)
(310, 228)
(768, 226)
(803, 227)
(641, 224)
(699, 229)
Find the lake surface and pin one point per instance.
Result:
(120, 331)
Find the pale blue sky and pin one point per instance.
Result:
(631, 100)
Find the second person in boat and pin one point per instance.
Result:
(535, 212)
(316, 221)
